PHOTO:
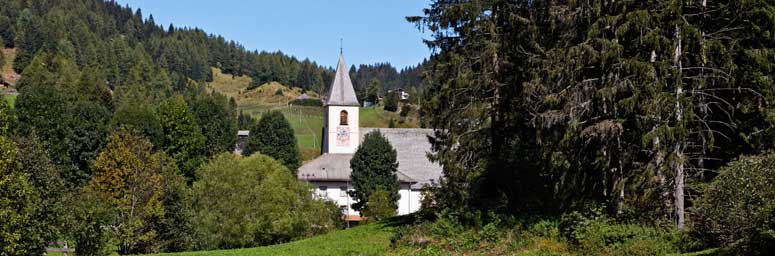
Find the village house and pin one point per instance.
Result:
(330, 172)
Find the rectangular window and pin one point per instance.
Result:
(323, 191)
(343, 191)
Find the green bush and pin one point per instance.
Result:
(391, 101)
(572, 224)
(244, 202)
(307, 102)
(737, 210)
(380, 205)
(546, 228)
(603, 238)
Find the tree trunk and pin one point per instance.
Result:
(678, 192)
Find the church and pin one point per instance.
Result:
(330, 172)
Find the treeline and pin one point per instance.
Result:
(549, 107)
(104, 34)
(377, 79)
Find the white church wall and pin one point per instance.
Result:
(336, 192)
(404, 203)
(415, 197)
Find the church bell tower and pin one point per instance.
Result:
(341, 132)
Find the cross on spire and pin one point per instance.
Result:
(341, 45)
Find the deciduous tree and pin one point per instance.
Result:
(251, 201)
(126, 176)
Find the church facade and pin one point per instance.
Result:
(342, 134)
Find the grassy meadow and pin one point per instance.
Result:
(307, 122)
(370, 239)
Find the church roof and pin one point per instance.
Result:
(341, 91)
(334, 167)
(411, 145)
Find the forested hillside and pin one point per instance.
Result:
(112, 37)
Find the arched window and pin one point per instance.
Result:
(343, 118)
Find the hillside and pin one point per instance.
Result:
(6, 69)
(307, 122)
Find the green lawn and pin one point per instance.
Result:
(11, 99)
(307, 123)
(371, 239)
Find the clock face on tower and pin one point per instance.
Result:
(343, 136)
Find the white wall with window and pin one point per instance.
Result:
(337, 192)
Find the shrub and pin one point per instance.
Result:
(243, 202)
(307, 102)
(391, 101)
(546, 228)
(380, 205)
(602, 238)
(253, 85)
(738, 208)
(572, 224)
(405, 109)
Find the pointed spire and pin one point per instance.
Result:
(341, 92)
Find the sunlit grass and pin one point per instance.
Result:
(11, 99)
(371, 239)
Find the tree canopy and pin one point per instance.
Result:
(252, 201)
(374, 167)
(273, 136)
(546, 107)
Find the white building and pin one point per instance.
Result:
(330, 172)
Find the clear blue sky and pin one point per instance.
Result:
(373, 31)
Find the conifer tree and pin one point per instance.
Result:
(374, 166)
(273, 136)
(183, 139)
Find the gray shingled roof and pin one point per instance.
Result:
(411, 145)
(341, 91)
(334, 167)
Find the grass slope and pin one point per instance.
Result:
(371, 239)
(306, 121)
(6, 69)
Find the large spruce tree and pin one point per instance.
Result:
(374, 166)
(547, 106)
